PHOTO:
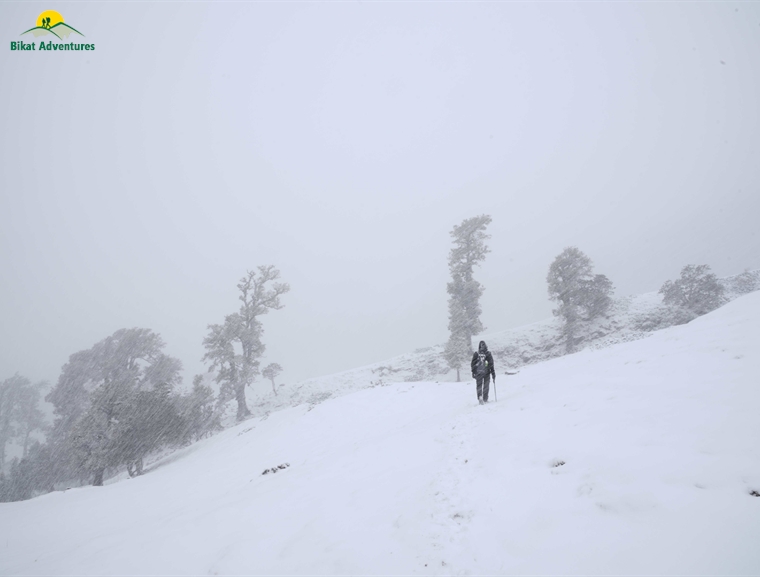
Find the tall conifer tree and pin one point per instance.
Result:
(464, 291)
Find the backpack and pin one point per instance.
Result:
(481, 365)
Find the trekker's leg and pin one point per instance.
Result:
(479, 388)
(486, 383)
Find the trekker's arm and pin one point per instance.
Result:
(473, 362)
(490, 364)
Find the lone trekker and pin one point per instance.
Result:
(482, 371)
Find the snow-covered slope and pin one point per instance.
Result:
(629, 318)
(639, 458)
(512, 349)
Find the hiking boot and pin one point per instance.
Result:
(480, 400)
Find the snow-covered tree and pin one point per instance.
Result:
(234, 348)
(20, 415)
(151, 421)
(111, 403)
(29, 476)
(598, 296)
(198, 411)
(746, 282)
(30, 417)
(17, 484)
(457, 353)
(270, 372)
(9, 393)
(464, 291)
(580, 295)
(697, 290)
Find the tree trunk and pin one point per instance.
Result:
(458, 381)
(571, 320)
(242, 410)
(570, 329)
(274, 388)
(98, 482)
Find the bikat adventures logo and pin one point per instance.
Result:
(51, 23)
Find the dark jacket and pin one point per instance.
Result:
(482, 348)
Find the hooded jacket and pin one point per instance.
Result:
(483, 348)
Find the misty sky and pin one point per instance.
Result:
(341, 142)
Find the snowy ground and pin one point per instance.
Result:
(635, 459)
